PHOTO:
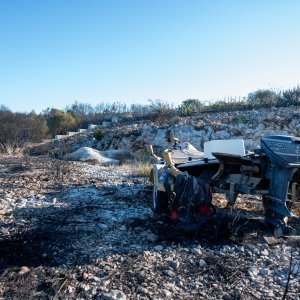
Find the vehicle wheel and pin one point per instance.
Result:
(159, 201)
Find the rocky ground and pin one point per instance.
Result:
(250, 125)
(78, 231)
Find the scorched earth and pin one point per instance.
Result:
(73, 230)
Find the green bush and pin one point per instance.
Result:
(98, 134)
(190, 106)
(290, 97)
(263, 98)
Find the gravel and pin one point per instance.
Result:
(78, 231)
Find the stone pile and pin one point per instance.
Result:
(90, 155)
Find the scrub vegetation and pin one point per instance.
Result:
(17, 129)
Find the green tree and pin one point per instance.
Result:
(265, 98)
(82, 113)
(59, 122)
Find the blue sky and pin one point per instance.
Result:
(55, 52)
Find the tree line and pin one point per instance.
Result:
(17, 129)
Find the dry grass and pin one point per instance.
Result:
(143, 169)
(137, 168)
(137, 164)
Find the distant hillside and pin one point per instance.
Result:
(250, 125)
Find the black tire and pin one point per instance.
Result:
(159, 201)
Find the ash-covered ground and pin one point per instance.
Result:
(78, 231)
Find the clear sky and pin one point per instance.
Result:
(53, 52)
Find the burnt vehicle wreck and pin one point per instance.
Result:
(185, 179)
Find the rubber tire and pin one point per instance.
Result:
(159, 201)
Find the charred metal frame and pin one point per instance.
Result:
(272, 171)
